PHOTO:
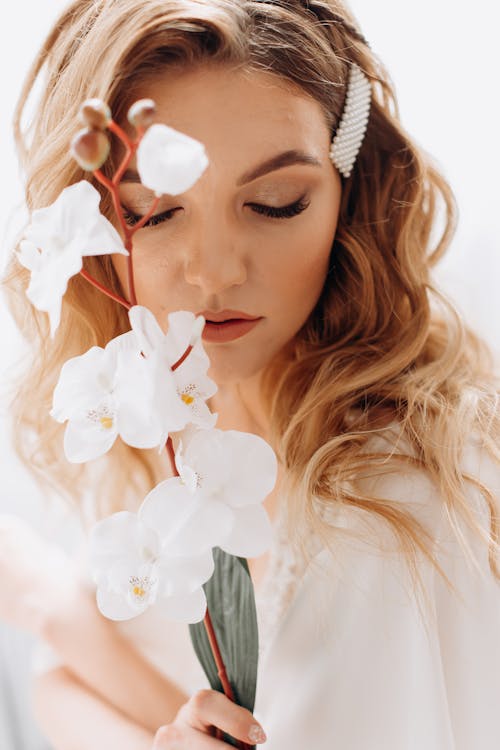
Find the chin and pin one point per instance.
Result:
(228, 367)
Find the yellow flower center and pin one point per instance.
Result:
(187, 398)
(141, 587)
(106, 422)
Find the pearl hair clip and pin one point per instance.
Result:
(353, 123)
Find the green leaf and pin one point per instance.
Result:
(231, 604)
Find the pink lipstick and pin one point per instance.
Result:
(227, 325)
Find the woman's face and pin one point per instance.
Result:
(218, 251)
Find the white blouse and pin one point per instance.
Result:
(347, 662)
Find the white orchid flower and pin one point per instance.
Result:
(169, 161)
(238, 470)
(57, 239)
(193, 385)
(111, 392)
(159, 556)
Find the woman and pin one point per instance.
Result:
(379, 403)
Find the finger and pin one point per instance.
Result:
(183, 737)
(207, 708)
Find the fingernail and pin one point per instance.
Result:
(256, 734)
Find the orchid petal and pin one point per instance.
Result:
(80, 221)
(146, 328)
(180, 326)
(251, 534)
(189, 608)
(166, 506)
(85, 441)
(82, 382)
(206, 454)
(57, 238)
(123, 570)
(206, 527)
(169, 161)
(29, 255)
(184, 574)
(127, 343)
(137, 415)
(254, 468)
(116, 607)
(48, 285)
(185, 524)
(119, 534)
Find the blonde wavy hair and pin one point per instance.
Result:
(383, 346)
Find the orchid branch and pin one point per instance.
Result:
(212, 638)
(112, 186)
(116, 297)
(131, 146)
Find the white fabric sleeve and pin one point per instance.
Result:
(469, 627)
(354, 666)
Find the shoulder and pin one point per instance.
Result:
(402, 525)
(393, 472)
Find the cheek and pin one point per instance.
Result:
(299, 272)
(152, 275)
(305, 278)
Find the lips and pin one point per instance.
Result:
(223, 329)
(223, 316)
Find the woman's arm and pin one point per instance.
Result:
(94, 650)
(73, 718)
(43, 593)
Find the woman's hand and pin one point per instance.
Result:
(36, 576)
(192, 728)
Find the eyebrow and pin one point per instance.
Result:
(280, 161)
(285, 159)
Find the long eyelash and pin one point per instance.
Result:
(132, 219)
(284, 212)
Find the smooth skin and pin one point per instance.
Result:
(214, 251)
(195, 721)
(217, 250)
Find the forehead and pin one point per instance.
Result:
(233, 111)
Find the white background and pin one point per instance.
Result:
(443, 57)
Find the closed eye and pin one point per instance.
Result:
(132, 219)
(274, 212)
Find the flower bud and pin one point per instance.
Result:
(90, 148)
(142, 113)
(95, 114)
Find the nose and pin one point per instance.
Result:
(213, 262)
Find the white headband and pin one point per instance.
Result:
(353, 123)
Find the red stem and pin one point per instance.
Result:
(113, 187)
(169, 446)
(130, 273)
(221, 671)
(118, 131)
(212, 638)
(104, 289)
(181, 359)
